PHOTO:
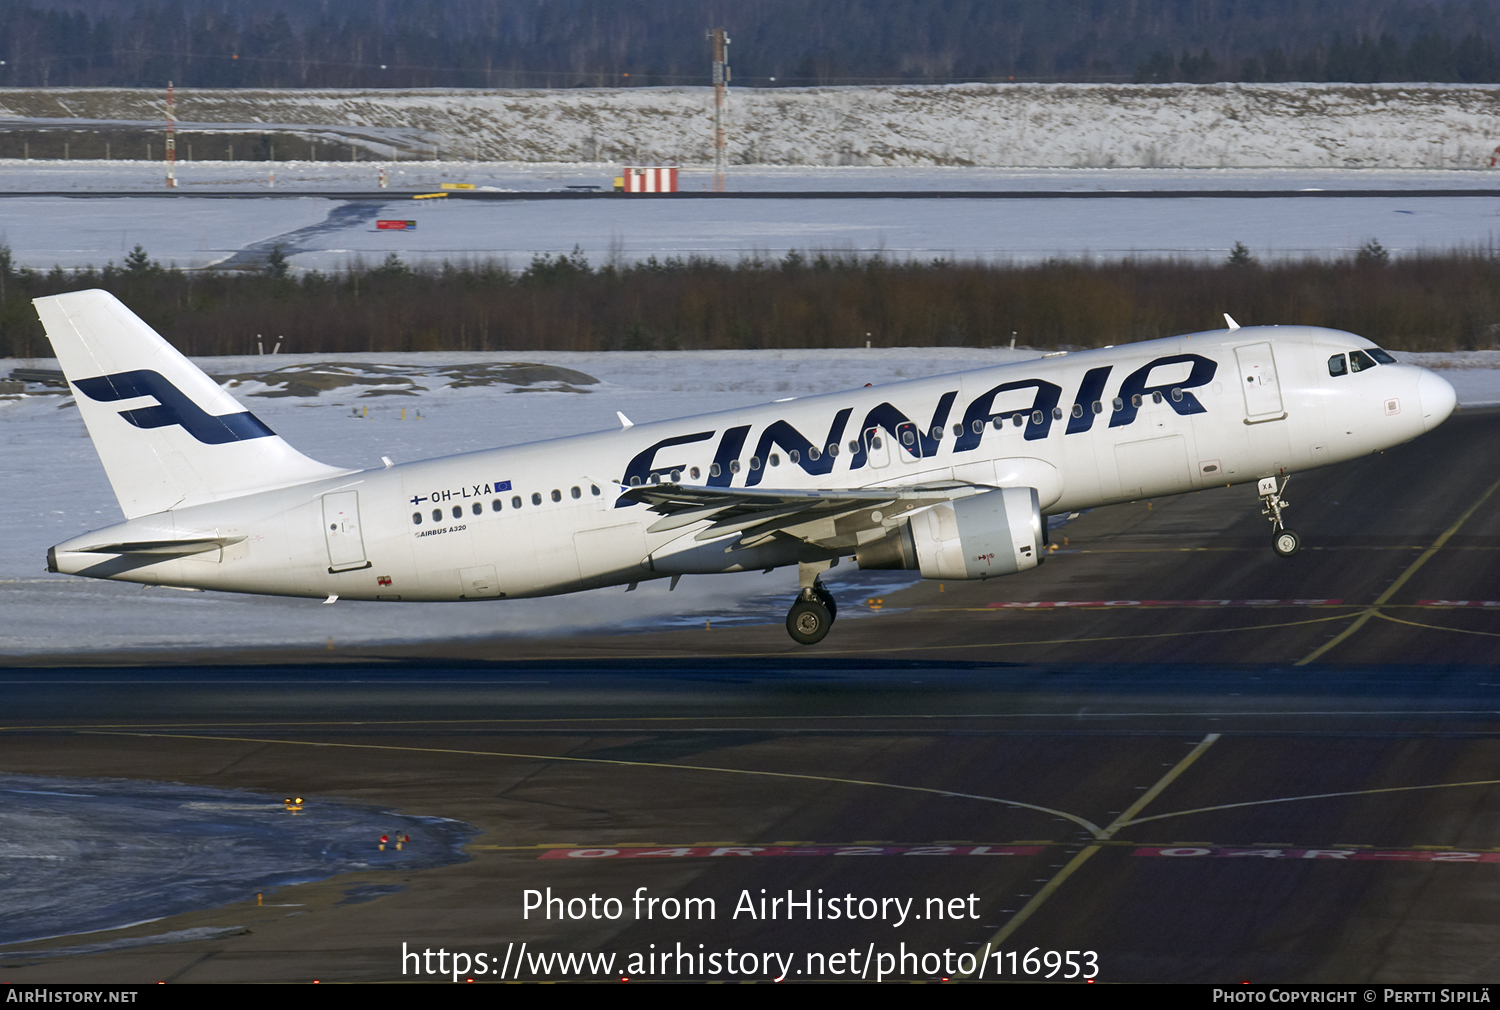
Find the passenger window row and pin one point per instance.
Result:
(498, 504)
(675, 476)
(908, 438)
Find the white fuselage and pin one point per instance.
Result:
(1216, 408)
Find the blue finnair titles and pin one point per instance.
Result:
(1037, 418)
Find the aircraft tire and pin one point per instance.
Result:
(1286, 543)
(826, 598)
(808, 621)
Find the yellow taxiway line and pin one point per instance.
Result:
(1401, 580)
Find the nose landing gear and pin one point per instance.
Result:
(1284, 542)
(815, 609)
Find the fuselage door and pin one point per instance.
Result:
(1259, 383)
(908, 442)
(877, 447)
(346, 545)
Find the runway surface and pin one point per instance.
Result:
(1212, 765)
(231, 216)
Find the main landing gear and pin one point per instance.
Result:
(815, 609)
(1284, 542)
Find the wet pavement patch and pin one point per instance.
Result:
(89, 854)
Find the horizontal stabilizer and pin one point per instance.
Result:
(169, 547)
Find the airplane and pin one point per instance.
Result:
(952, 476)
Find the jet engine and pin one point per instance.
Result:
(991, 534)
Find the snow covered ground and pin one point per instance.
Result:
(326, 234)
(52, 487)
(996, 125)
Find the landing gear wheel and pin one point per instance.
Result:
(1286, 543)
(808, 621)
(826, 598)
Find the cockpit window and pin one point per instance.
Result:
(1359, 361)
(1337, 365)
(1381, 356)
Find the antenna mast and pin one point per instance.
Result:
(721, 83)
(171, 140)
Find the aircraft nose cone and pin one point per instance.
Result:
(1438, 399)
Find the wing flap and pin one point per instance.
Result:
(828, 518)
(742, 522)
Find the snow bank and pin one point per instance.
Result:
(995, 125)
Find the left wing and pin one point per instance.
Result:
(832, 519)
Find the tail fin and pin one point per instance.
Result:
(167, 434)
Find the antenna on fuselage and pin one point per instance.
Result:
(1232, 324)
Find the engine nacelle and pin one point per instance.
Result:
(995, 533)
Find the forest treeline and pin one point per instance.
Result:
(1418, 303)
(775, 43)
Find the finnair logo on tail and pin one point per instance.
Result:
(172, 407)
